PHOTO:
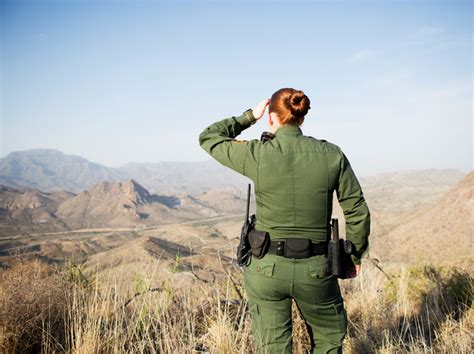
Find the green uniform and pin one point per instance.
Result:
(294, 177)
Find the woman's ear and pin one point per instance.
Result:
(272, 118)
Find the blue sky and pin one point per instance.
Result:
(120, 81)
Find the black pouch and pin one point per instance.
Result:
(348, 267)
(259, 242)
(297, 248)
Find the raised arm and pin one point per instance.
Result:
(218, 140)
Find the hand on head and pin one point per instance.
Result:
(259, 110)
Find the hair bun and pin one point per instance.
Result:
(290, 105)
(299, 103)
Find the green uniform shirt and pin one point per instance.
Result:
(294, 177)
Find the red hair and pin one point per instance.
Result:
(290, 105)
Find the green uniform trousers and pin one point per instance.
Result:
(271, 283)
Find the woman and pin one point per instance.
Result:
(294, 177)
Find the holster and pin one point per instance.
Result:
(340, 258)
(259, 242)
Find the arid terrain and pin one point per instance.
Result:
(415, 216)
(135, 242)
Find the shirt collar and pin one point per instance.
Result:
(288, 130)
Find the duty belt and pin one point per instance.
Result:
(297, 248)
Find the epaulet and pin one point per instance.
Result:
(240, 141)
(312, 137)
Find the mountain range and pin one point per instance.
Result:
(87, 208)
(42, 188)
(50, 170)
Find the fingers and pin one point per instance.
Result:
(263, 105)
(353, 272)
(259, 110)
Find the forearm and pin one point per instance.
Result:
(356, 211)
(225, 130)
(218, 140)
(358, 229)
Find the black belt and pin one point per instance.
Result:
(297, 248)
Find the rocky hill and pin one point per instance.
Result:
(30, 210)
(114, 204)
(122, 204)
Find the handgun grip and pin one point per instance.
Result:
(348, 247)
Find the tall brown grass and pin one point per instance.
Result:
(64, 309)
(32, 306)
(420, 309)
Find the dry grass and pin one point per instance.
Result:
(32, 306)
(50, 309)
(420, 309)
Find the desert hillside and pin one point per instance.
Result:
(441, 232)
(30, 210)
(116, 204)
(399, 192)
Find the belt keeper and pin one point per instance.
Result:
(280, 248)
